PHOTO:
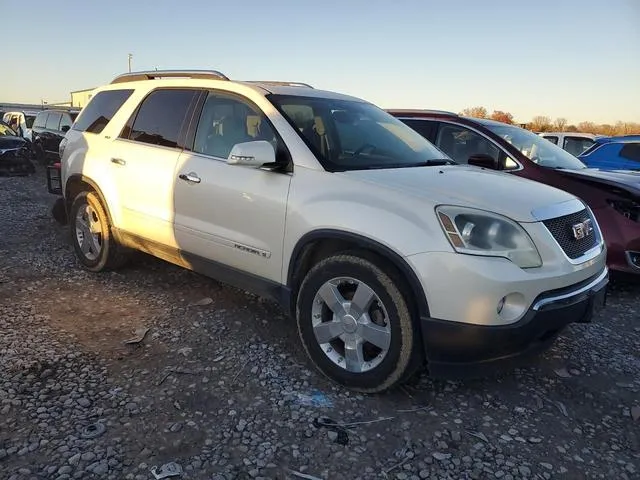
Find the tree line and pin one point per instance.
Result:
(542, 123)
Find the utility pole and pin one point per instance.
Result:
(130, 58)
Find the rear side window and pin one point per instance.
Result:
(551, 139)
(631, 151)
(66, 122)
(53, 121)
(160, 118)
(41, 120)
(577, 145)
(100, 110)
(424, 127)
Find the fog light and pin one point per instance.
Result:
(634, 259)
(511, 307)
(501, 304)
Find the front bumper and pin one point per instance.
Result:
(456, 349)
(16, 162)
(623, 240)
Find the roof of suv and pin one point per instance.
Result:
(440, 114)
(209, 78)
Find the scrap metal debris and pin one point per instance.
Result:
(315, 399)
(562, 372)
(171, 469)
(340, 435)
(303, 475)
(94, 430)
(561, 407)
(139, 335)
(203, 302)
(479, 435)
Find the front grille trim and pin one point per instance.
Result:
(560, 229)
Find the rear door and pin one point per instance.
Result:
(630, 155)
(143, 161)
(50, 135)
(38, 128)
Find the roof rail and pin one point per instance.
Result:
(151, 74)
(281, 84)
(416, 110)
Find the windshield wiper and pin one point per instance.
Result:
(438, 162)
(426, 163)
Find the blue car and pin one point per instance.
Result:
(613, 153)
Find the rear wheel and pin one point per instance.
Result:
(355, 324)
(91, 234)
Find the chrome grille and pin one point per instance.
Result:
(562, 229)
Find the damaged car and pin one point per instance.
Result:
(614, 197)
(15, 153)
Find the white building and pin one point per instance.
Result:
(80, 98)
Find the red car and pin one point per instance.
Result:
(614, 197)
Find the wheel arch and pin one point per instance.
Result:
(318, 244)
(77, 183)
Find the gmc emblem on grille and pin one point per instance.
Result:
(582, 229)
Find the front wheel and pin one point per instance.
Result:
(355, 324)
(91, 234)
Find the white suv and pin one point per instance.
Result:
(388, 254)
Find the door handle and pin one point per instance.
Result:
(189, 177)
(118, 161)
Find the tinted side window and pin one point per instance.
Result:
(425, 128)
(100, 110)
(41, 120)
(160, 117)
(551, 139)
(460, 143)
(226, 121)
(576, 145)
(53, 121)
(66, 121)
(631, 151)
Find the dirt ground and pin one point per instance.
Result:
(221, 385)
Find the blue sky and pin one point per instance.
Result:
(570, 58)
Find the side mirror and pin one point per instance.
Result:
(65, 128)
(483, 160)
(252, 154)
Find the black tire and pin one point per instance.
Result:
(111, 254)
(403, 352)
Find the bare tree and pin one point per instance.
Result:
(540, 123)
(587, 127)
(500, 116)
(560, 124)
(477, 112)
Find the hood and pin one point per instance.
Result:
(628, 179)
(8, 142)
(467, 186)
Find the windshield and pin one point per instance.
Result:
(6, 130)
(538, 149)
(352, 135)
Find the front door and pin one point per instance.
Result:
(231, 215)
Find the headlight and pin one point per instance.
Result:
(476, 232)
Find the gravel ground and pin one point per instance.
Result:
(221, 386)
